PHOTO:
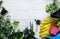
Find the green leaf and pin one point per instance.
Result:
(18, 30)
(8, 23)
(54, 1)
(58, 24)
(16, 23)
(1, 16)
(29, 34)
(51, 8)
(15, 37)
(21, 37)
(1, 2)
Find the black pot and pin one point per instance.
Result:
(55, 14)
(1, 37)
(4, 11)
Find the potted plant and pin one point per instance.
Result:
(53, 10)
(56, 14)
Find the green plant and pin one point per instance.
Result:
(51, 8)
(16, 35)
(7, 28)
(54, 1)
(29, 34)
(0, 2)
(15, 23)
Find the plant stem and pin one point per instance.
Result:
(54, 1)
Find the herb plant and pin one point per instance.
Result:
(7, 28)
(29, 34)
(51, 8)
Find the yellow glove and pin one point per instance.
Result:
(45, 26)
(44, 31)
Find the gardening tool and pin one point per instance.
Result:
(31, 25)
(37, 24)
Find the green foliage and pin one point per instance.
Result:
(16, 35)
(7, 27)
(1, 17)
(16, 23)
(54, 1)
(51, 8)
(0, 2)
(28, 34)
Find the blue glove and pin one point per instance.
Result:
(54, 37)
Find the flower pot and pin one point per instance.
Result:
(55, 14)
